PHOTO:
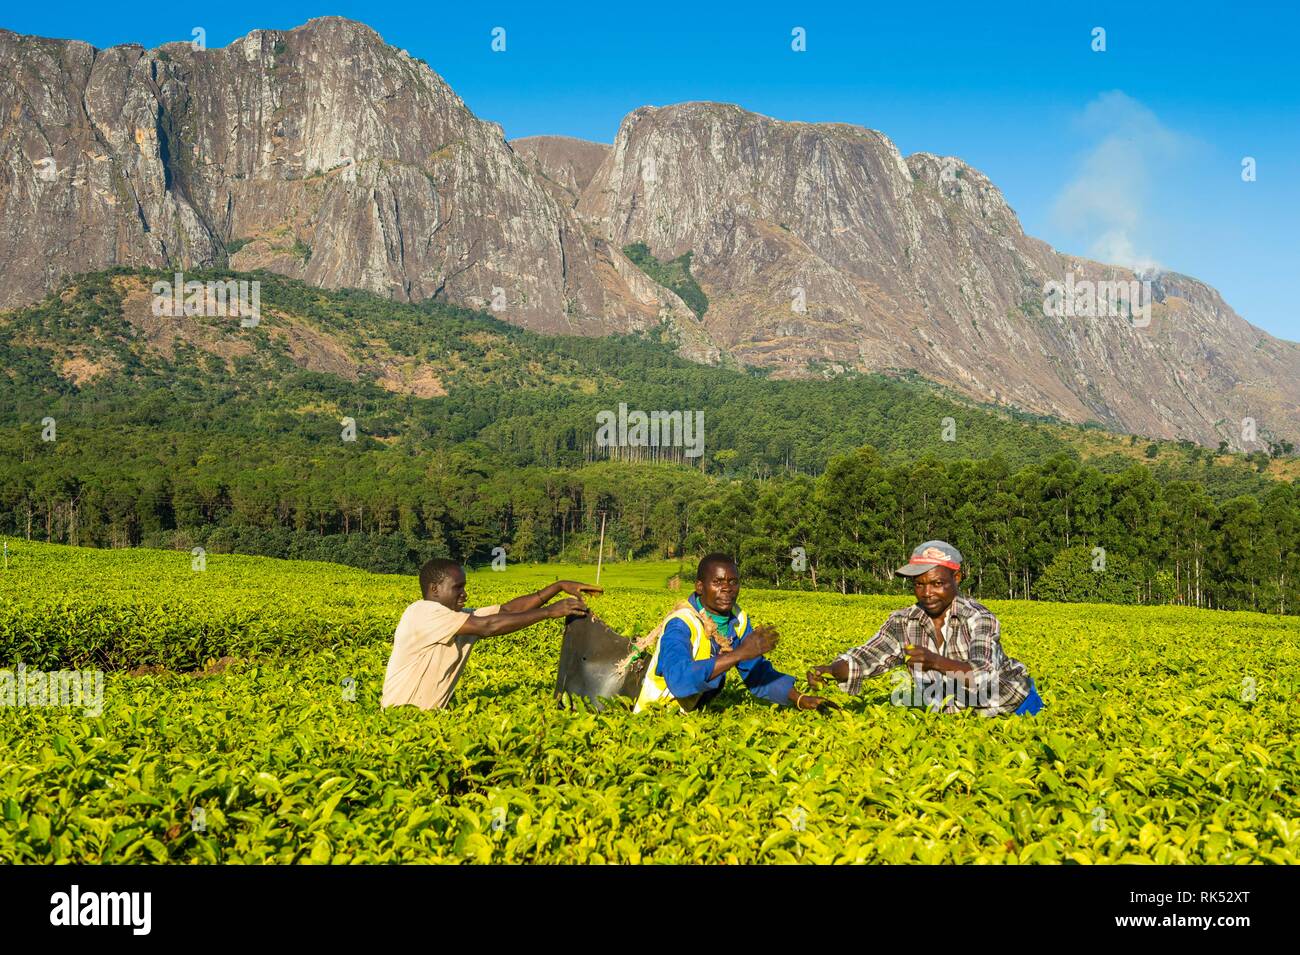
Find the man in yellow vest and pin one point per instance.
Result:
(709, 636)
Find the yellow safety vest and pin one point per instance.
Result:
(654, 688)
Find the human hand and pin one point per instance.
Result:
(568, 607)
(817, 675)
(760, 642)
(921, 658)
(809, 702)
(575, 588)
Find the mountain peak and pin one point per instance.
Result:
(327, 155)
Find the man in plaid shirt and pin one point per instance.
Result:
(951, 643)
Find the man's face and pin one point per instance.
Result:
(719, 587)
(450, 591)
(936, 589)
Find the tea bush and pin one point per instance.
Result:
(1169, 734)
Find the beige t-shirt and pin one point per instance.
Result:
(428, 655)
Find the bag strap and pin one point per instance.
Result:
(646, 645)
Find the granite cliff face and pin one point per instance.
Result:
(821, 243)
(319, 152)
(566, 162)
(324, 154)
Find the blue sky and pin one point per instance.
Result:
(1131, 154)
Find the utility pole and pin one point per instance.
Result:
(600, 554)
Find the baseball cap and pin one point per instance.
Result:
(930, 555)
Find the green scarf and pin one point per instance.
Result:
(721, 619)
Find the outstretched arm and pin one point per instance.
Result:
(532, 601)
(882, 652)
(767, 682)
(508, 621)
(839, 669)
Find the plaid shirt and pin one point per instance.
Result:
(972, 636)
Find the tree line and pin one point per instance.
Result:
(1058, 529)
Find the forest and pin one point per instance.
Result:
(820, 483)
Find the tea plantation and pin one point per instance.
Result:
(240, 722)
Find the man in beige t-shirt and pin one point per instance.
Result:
(435, 635)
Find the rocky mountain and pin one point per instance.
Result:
(567, 162)
(319, 152)
(821, 243)
(324, 154)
